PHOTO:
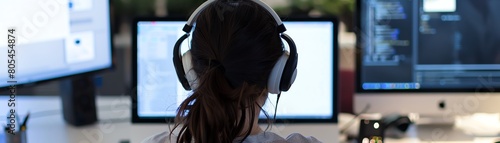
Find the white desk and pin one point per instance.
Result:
(46, 123)
(440, 135)
(467, 129)
(114, 123)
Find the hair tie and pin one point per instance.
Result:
(216, 64)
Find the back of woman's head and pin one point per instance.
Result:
(234, 48)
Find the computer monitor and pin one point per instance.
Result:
(312, 98)
(433, 57)
(54, 39)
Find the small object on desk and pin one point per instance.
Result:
(370, 130)
(17, 137)
(23, 126)
(19, 132)
(125, 141)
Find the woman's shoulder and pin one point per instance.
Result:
(299, 138)
(264, 137)
(163, 137)
(270, 137)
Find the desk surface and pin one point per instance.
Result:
(46, 124)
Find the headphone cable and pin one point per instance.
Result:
(276, 108)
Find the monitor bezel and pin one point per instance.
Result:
(358, 60)
(92, 72)
(137, 119)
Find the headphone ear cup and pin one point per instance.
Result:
(292, 80)
(187, 64)
(273, 84)
(290, 69)
(178, 65)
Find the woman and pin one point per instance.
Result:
(234, 47)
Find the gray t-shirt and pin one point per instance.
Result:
(264, 137)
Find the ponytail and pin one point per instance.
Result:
(215, 112)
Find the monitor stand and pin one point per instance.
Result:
(78, 100)
(438, 120)
(460, 128)
(442, 132)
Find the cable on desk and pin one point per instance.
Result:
(349, 124)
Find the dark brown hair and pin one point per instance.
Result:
(234, 48)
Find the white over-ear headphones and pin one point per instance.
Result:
(281, 77)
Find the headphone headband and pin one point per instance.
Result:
(192, 19)
(281, 77)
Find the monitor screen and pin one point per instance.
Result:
(428, 45)
(54, 38)
(312, 96)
